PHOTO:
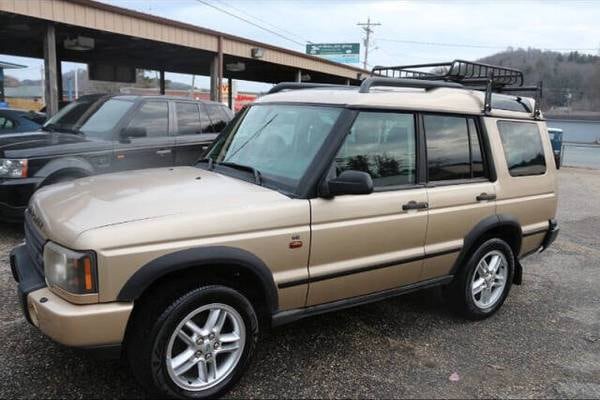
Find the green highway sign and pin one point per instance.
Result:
(347, 53)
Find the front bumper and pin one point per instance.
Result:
(90, 325)
(14, 197)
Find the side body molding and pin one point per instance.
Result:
(498, 221)
(201, 258)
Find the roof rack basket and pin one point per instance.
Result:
(479, 76)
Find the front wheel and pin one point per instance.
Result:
(482, 285)
(199, 345)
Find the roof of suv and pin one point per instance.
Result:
(452, 100)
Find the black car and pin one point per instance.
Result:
(103, 133)
(16, 121)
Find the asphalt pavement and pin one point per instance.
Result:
(543, 343)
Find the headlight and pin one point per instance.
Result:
(70, 270)
(13, 168)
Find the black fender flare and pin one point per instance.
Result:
(200, 258)
(484, 226)
(74, 165)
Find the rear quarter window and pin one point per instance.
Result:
(523, 148)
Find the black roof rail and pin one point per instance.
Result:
(301, 85)
(368, 83)
(474, 75)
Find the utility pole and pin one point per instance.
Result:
(367, 41)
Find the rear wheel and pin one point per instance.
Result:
(482, 285)
(197, 346)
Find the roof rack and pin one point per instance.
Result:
(366, 85)
(301, 85)
(479, 76)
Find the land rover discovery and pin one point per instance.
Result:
(314, 199)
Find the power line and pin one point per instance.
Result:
(264, 22)
(478, 46)
(367, 41)
(250, 22)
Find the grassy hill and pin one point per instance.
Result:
(571, 80)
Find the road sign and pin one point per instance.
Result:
(347, 53)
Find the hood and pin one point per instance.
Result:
(66, 210)
(20, 144)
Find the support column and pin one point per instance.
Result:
(216, 73)
(59, 82)
(1, 85)
(229, 94)
(162, 82)
(299, 76)
(50, 71)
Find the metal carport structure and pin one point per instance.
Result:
(38, 28)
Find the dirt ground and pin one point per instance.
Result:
(544, 342)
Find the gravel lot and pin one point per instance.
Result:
(544, 342)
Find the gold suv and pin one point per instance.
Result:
(314, 199)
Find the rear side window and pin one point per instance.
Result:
(6, 123)
(382, 145)
(523, 148)
(188, 118)
(453, 148)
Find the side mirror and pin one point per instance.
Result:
(133, 132)
(349, 182)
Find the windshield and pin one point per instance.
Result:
(278, 141)
(82, 116)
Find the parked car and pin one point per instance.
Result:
(16, 121)
(311, 200)
(101, 133)
(556, 138)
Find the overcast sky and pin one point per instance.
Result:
(452, 29)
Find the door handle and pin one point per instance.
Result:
(413, 205)
(163, 152)
(485, 196)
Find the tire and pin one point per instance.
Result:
(464, 290)
(152, 338)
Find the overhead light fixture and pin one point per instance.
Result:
(305, 77)
(80, 43)
(257, 52)
(236, 67)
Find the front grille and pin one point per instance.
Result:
(35, 243)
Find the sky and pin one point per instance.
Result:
(410, 31)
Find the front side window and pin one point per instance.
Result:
(188, 118)
(152, 118)
(523, 148)
(101, 123)
(217, 117)
(382, 145)
(453, 148)
(279, 141)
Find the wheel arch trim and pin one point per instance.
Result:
(200, 258)
(485, 226)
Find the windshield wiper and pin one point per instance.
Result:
(257, 174)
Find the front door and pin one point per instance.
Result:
(146, 141)
(367, 243)
(459, 189)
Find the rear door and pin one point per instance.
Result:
(362, 244)
(193, 130)
(151, 143)
(459, 188)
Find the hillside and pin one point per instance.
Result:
(571, 80)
